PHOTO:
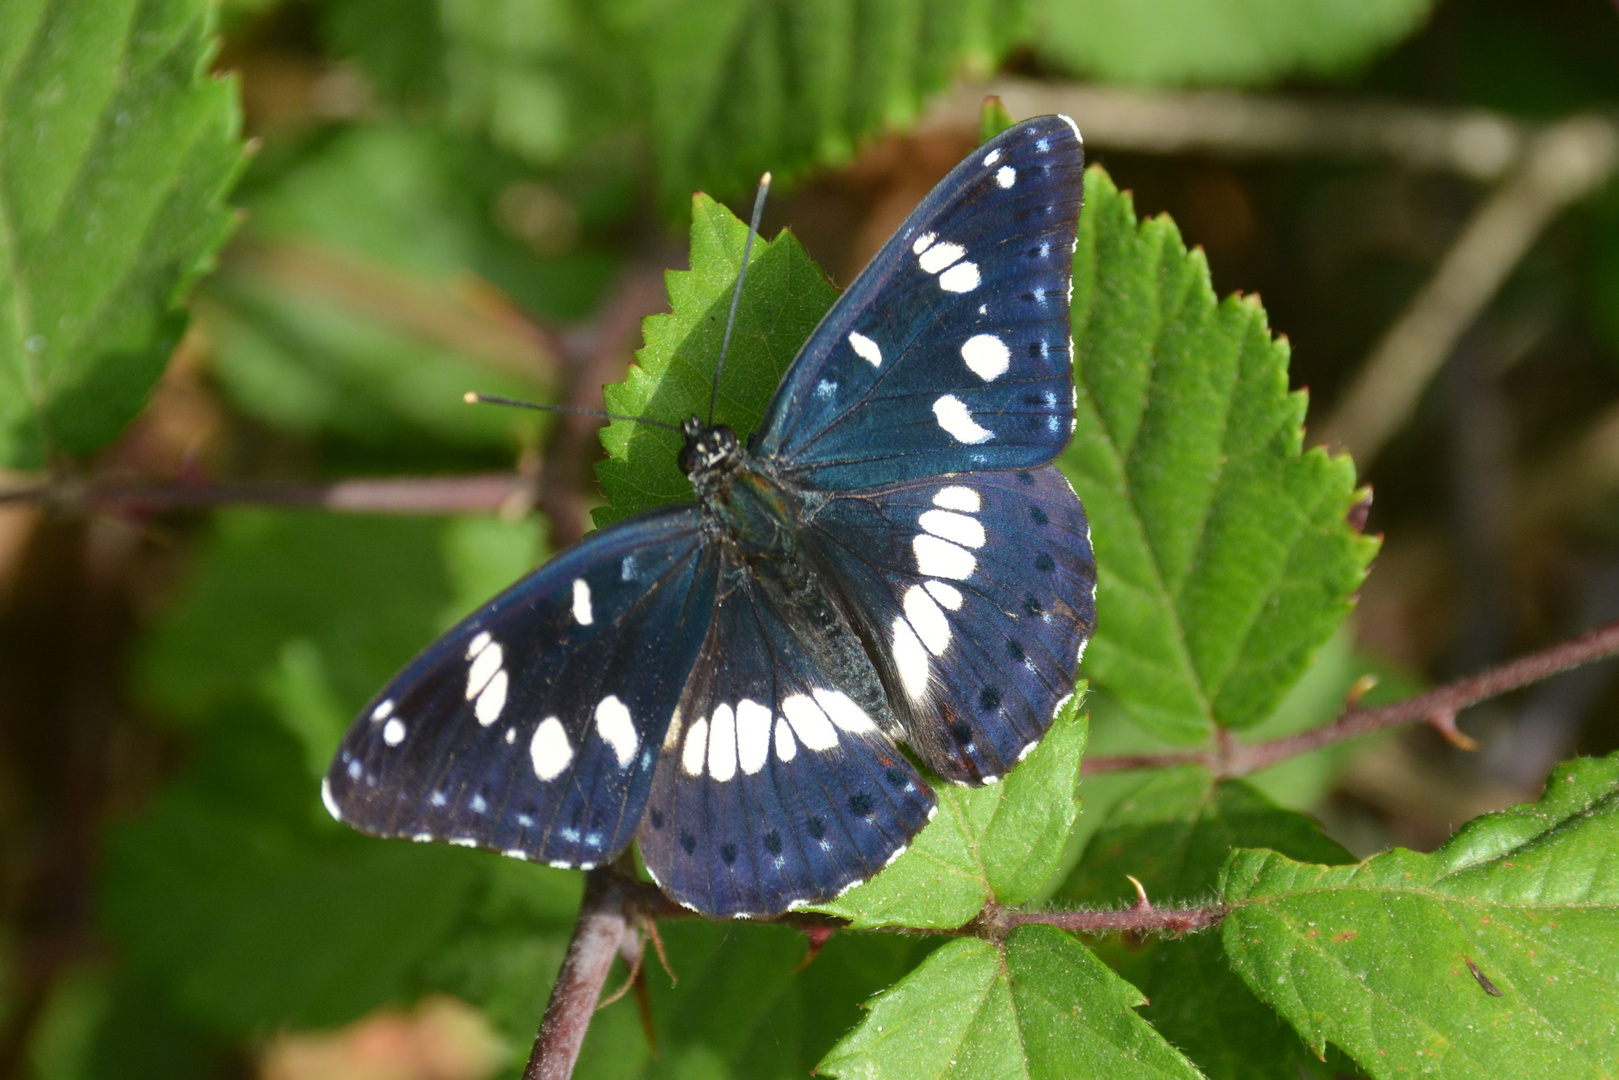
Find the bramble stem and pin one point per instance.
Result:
(1437, 707)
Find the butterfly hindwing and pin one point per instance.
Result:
(979, 588)
(533, 727)
(776, 787)
(950, 352)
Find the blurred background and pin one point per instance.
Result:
(483, 194)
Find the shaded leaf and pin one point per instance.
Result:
(1044, 1008)
(254, 912)
(1223, 553)
(1003, 841)
(1221, 42)
(116, 150)
(1375, 957)
(721, 91)
(785, 296)
(1173, 833)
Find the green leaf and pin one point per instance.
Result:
(1003, 841)
(351, 307)
(319, 610)
(785, 296)
(116, 150)
(1171, 42)
(1374, 957)
(746, 1006)
(721, 91)
(1044, 1008)
(254, 912)
(742, 86)
(1224, 554)
(1173, 833)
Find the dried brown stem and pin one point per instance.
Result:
(1437, 707)
(392, 495)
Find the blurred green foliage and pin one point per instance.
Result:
(461, 185)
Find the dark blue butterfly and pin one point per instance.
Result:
(892, 559)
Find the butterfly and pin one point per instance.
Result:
(890, 560)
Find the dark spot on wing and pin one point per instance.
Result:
(895, 777)
(689, 842)
(657, 819)
(816, 827)
(1037, 515)
(1044, 562)
(989, 699)
(860, 803)
(773, 842)
(728, 853)
(1031, 604)
(1014, 650)
(962, 733)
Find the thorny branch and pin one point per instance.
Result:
(615, 902)
(1437, 707)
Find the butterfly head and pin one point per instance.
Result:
(709, 451)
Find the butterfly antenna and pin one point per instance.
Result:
(472, 397)
(736, 293)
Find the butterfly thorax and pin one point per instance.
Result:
(743, 505)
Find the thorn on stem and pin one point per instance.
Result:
(1142, 903)
(651, 929)
(630, 951)
(1359, 688)
(1444, 722)
(817, 937)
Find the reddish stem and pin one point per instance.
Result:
(1437, 707)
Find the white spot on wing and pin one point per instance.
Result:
(617, 730)
(483, 668)
(960, 498)
(331, 803)
(922, 242)
(953, 416)
(865, 348)
(696, 748)
(722, 744)
(927, 620)
(911, 659)
(383, 711)
(582, 613)
(463, 841)
(478, 644)
(752, 735)
(393, 732)
(786, 746)
(993, 156)
(939, 256)
(843, 711)
(987, 356)
(948, 595)
(549, 749)
(810, 724)
(1006, 176)
(941, 558)
(957, 528)
(962, 277)
(492, 700)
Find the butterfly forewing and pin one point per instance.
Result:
(951, 350)
(979, 589)
(776, 787)
(533, 727)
